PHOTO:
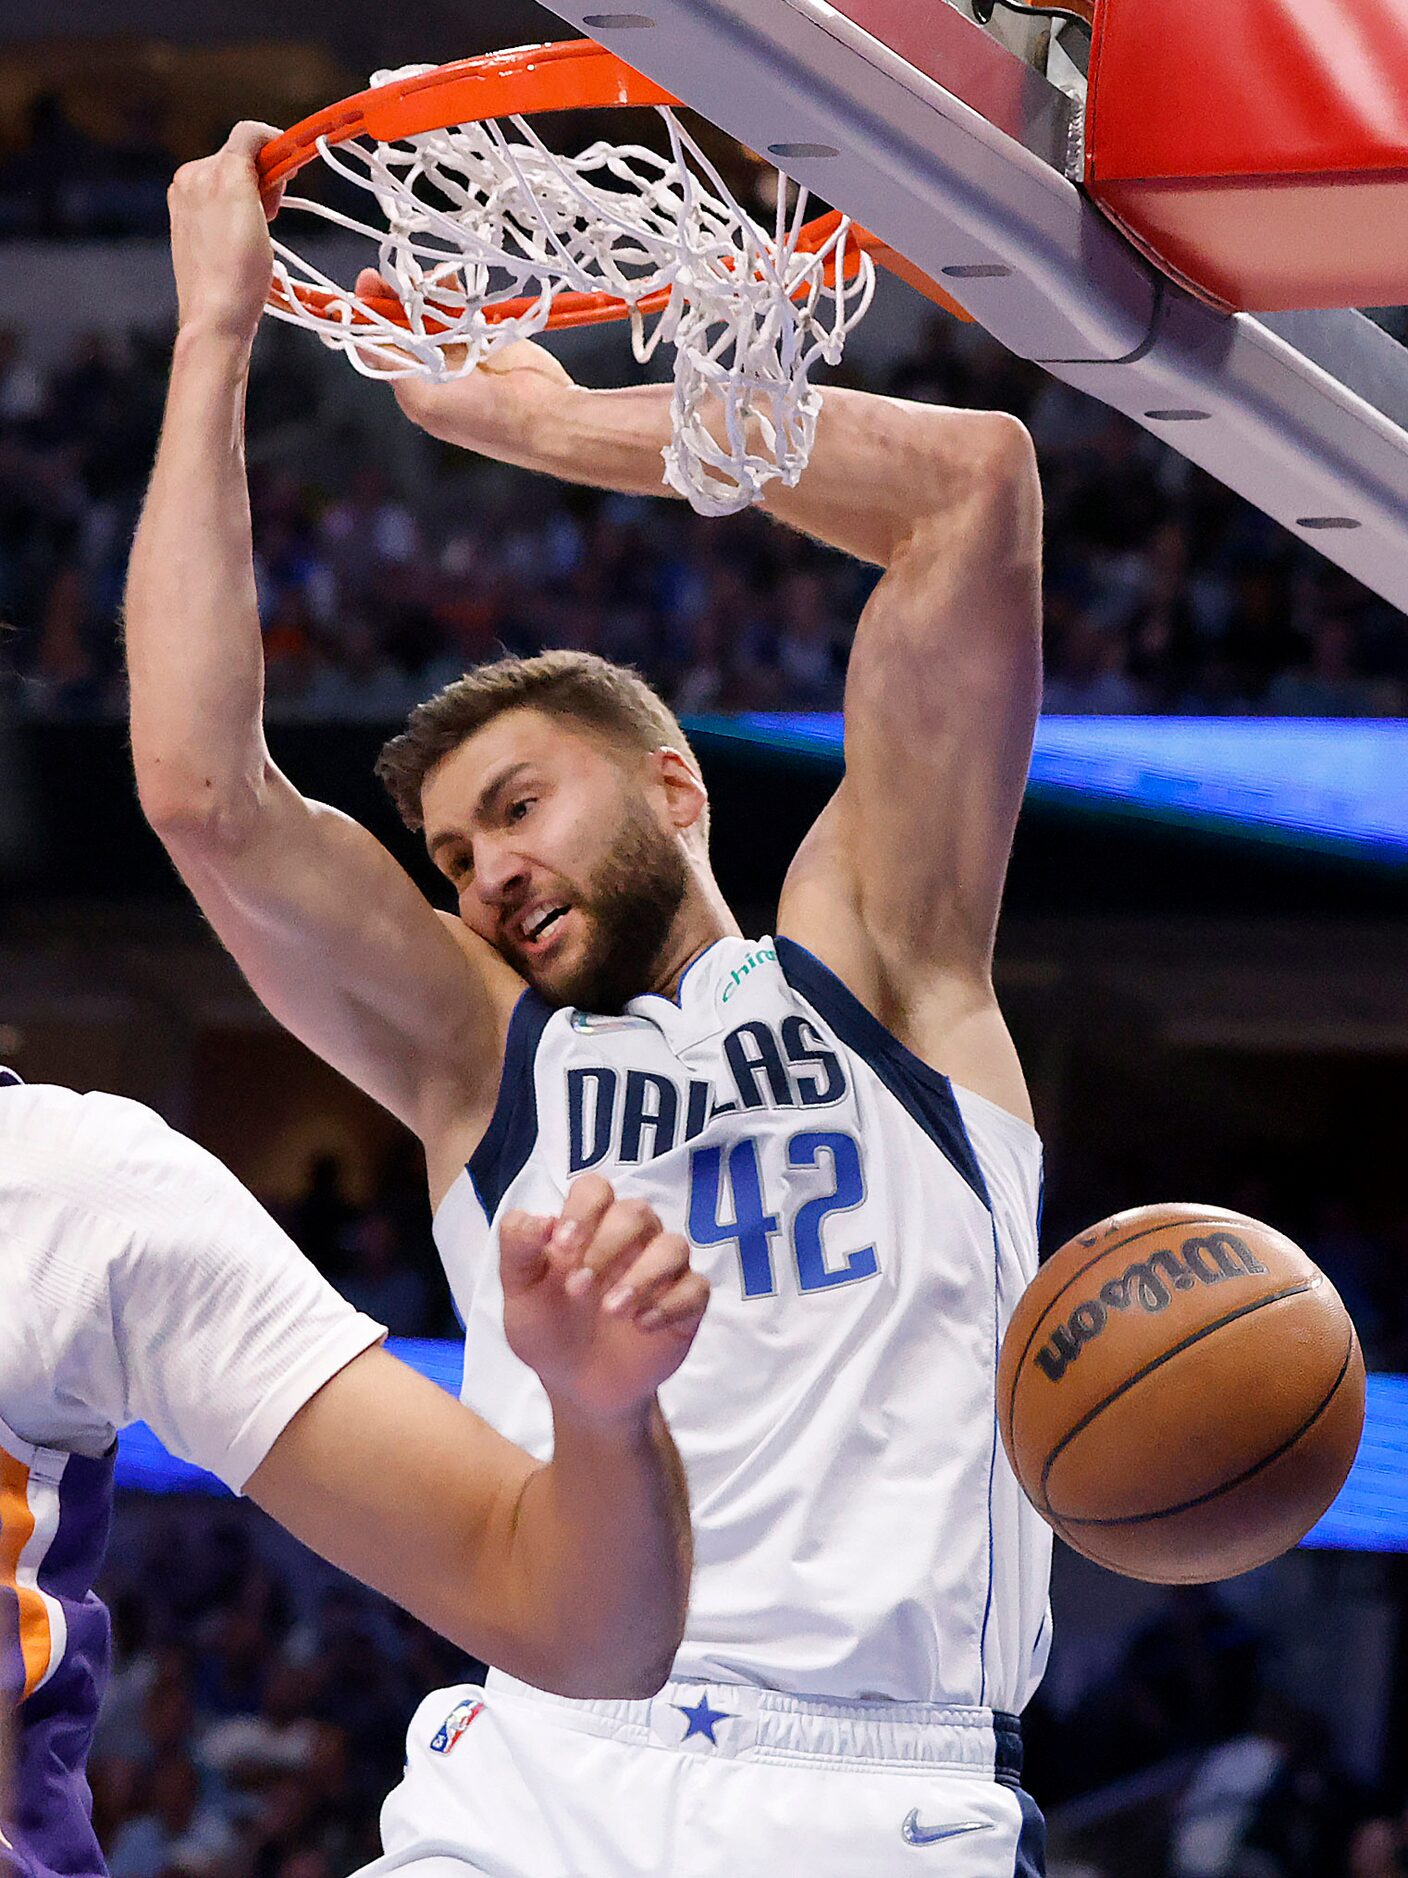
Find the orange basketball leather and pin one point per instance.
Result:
(1181, 1392)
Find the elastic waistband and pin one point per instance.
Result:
(734, 1721)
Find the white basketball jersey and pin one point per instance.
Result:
(867, 1229)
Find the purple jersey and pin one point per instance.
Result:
(55, 1510)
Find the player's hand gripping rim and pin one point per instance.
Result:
(220, 245)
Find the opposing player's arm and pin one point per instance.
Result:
(571, 1575)
(216, 1331)
(332, 933)
(182, 1304)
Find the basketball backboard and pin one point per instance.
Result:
(958, 151)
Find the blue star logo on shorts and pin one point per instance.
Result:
(702, 1719)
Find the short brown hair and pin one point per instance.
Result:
(579, 686)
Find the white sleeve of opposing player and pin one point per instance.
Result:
(227, 1329)
(162, 1291)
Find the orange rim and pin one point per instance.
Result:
(572, 309)
(571, 75)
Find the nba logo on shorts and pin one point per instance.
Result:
(454, 1725)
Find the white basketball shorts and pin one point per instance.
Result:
(711, 1780)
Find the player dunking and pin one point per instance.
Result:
(836, 1116)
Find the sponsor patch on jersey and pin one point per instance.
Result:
(460, 1716)
(762, 954)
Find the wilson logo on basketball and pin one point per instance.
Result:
(1149, 1286)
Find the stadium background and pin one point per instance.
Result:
(1205, 1010)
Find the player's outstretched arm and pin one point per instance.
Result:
(151, 1286)
(333, 935)
(574, 1574)
(898, 886)
(879, 467)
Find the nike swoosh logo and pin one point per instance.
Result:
(914, 1834)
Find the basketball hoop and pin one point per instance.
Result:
(488, 237)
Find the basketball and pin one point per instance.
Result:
(1181, 1393)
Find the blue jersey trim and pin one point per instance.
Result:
(1041, 1630)
(926, 1094)
(1031, 1846)
(992, 1465)
(508, 1140)
(1007, 1748)
(677, 997)
(1040, 1200)
(9, 1080)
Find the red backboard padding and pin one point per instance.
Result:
(1257, 149)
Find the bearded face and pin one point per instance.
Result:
(566, 855)
(626, 910)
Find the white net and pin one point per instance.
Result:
(482, 214)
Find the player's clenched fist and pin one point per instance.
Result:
(220, 247)
(600, 1301)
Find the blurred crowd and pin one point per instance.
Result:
(61, 183)
(257, 1712)
(1184, 1759)
(379, 1254)
(383, 571)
